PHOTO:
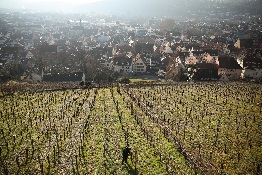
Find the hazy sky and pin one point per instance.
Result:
(28, 4)
(96, 5)
(9, 2)
(108, 6)
(129, 7)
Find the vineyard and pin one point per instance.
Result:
(201, 128)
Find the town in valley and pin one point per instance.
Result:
(213, 41)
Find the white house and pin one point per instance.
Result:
(139, 64)
(123, 68)
(122, 64)
(107, 62)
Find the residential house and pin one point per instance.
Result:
(153, 62)
(145, 48)
(212, 52)
(193, 46)
(38, 41)
(191, 59)
(107, 62)
(252, 64)
(252, 73)
(197, 53)
(122, 63)
(28, 57)
(127, 50)
(139, 64)
(207, 58)
(167, 49)
(229, 67)
(226, 50)
(219, 39)
(205, 55)
(206, 65)
(206, 72)
(244, 43)
(144, 45)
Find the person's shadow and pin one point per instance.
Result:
(130, 169)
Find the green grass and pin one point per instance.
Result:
(217, 124)
(83, 132)
(79, 132)
(137, 80)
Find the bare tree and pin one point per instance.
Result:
(175, 69)
(13, 69)
(93, 69)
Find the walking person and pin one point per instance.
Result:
(126, 152)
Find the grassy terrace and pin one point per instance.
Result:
(80, 132)
(202, 128)
(219, 125)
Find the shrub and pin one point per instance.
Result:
(124, 81)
